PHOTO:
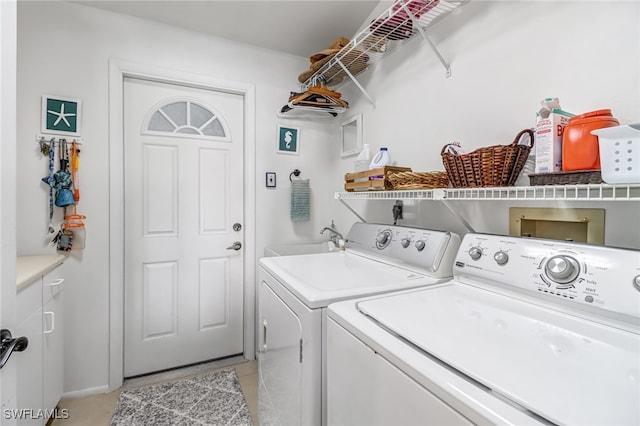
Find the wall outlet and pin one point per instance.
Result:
(397, 210)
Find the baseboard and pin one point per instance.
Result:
(181, 372)
(86, 392)
(161, 376)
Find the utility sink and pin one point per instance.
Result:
(295, 249)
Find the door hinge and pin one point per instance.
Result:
(300, 351)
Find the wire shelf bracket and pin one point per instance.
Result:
(356, 82)
(424, 35)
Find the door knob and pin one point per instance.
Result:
(237, 245)
(8, 344)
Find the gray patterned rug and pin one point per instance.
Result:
(209, 399)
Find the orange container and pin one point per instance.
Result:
(580, 149)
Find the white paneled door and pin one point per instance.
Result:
(183, 225)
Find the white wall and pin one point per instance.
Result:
(64, 49)
(505, 58)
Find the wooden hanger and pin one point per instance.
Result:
(317, 98)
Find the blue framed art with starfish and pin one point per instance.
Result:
(61, 115)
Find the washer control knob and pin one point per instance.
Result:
(562, 269)
(475, 253)
(636, 282)
(383, 239)
(501, 257)
(420, 245)
(405, 242)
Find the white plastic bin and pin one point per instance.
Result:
(620, 153)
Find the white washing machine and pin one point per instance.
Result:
(528, 332)
(294, 292)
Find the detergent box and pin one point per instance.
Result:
(550, 124)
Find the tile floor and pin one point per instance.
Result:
(97, 410)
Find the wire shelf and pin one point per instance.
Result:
(588, 192)
(394, 27)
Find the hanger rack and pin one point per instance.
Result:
(301, 114)
(57, 139)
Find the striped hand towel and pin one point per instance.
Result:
(300, 200)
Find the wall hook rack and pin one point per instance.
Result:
(295, 173)
(57, 139)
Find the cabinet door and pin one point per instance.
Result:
(279, 363)
(53, 338)
(29, 367)
(53, 343)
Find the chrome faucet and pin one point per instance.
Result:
(335, 235)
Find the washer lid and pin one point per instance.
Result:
(320, 279)
(563, 368)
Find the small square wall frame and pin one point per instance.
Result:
(61, 115)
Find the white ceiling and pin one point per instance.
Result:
(298, 27)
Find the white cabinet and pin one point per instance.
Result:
(280, 362)
(53, 339)
(29, 362)
(40, 365)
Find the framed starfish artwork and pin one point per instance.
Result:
(61, 115)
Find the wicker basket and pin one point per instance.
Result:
(416, 180)
(566, 178)
(497, 165)
(372, 179)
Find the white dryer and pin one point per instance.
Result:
(294, 292)
(528, 332)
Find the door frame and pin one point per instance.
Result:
(8, 172)
(118, 70)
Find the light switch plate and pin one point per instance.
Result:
(270, 179)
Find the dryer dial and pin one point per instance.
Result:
(636, 282)
(420, 245)
(475, 253)
(501, 257)
(405, 242)
(562, 269)
(383, 239)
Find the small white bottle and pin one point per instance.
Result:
(363, 160)
(381, 159)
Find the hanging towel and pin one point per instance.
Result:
(300, 200)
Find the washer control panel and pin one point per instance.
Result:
(603, 277)
(424, 250)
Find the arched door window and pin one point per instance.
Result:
(188, 118)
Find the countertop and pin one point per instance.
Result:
(28, 268)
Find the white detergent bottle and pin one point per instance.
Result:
(381, 159)
(363, 160)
